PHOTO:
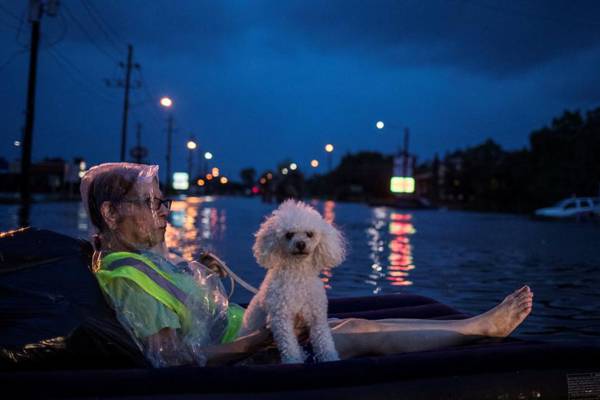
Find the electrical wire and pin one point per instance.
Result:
(62, 33)
(11, 58)
(115, 33)
(100, 26)
(9, 13)
(89, 36)
(82, 80)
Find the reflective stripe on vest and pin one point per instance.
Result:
(147, 276)
(152, 274)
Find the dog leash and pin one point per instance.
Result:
(234, 277)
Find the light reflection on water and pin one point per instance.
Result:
(467, 260)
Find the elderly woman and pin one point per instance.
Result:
(176, 310)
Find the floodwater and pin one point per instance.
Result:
(467, 260)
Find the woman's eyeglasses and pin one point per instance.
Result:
(154, 203)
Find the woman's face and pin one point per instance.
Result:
(142, 218)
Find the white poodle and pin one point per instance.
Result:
(294, 244)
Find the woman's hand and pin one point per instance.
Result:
(211, 262)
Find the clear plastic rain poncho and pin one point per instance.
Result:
(126, 207)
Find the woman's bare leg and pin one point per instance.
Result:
(357, 336)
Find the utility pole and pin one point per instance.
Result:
(169, 139)
(36, 10)
(128, 66)
(126, 101)
(405, 153)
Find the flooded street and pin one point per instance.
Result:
(467, 260)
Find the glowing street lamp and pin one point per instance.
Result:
(191, 145)
(166, 102)
(380, 125)
(208, 155)
(224, 180)
(314, 163)
(293, 166)
(215, 172)
(284, 171)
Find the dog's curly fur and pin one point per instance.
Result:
(294, 244)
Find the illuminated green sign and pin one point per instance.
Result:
(401, 184)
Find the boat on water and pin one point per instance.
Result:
(578, 208)
(60, 339)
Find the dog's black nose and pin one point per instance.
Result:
(300, 245)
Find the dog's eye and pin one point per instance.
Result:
(309, 234)
(289, 235)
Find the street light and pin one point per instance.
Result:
(293, 166)
(329, 150)
(167, 103)
(314, 163)
(379, 125)
(208, 155)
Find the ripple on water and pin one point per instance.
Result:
(470, 261)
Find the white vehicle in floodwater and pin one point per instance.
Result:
(574, 207)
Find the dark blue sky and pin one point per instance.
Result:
(258, 82)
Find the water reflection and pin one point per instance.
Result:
(376, 245)
(393, 229)
(193, 223)
(82, 219)
(400, 258)
(329, 211)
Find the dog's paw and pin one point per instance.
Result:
(292, 359)
(329, 356)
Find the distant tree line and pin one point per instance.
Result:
(562, 160)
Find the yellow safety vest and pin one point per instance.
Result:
(158, 284)
(151, 279)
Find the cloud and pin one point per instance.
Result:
(492, 38)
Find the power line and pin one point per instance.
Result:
(108, 26)
(9, 13)
(22, 20)
(100, 25)
(11, 58)
(9, 24)
(89, 36)
(82, 81)
(62, 33)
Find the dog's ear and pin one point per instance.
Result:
(266, 247)
(331, 250)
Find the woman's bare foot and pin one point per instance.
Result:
(501, 320)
